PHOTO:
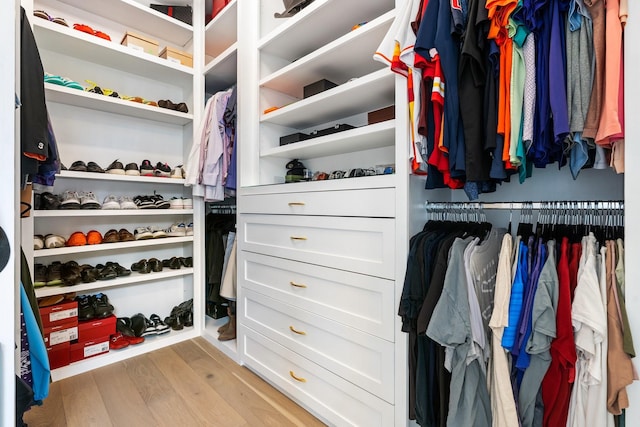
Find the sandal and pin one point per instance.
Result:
(87, 29)
(44, 15)
(61, 81)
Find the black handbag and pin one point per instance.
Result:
(182, 13)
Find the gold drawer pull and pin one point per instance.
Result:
(297, 285)
(295, 331)
(297, 378)
(296, 203)
(298, 238)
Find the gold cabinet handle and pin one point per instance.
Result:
(297, 285)
(295, 331)
(297, 378)
(296, 203)
(298, 238)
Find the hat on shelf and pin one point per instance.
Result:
(291, 7)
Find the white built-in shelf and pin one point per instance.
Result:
(210, 333)
(151, 343)
(94, 101)
(116, 177)
(133, 14)
(67, 41)
(67, 213)
(368, 93)
(345, 58)
(222, 31)
(43, 253)
(350, 141)
(359, 183)
(318, 24)
(133, 278)
(221, 73)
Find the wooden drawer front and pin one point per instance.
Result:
(379, 202)
(363, 359)
(363, 245)
(335, 400)
(362, 302)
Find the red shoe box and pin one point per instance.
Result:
(59, 355)
(59, 334)
(59, 314)
(85, 349)
(96, 328)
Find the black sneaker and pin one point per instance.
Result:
(162, 170)
(159, 202)
(101, 305)
(116, 167)
(131, 169)
(144, 202)
(86, 310)
(78, 166)
(146, 168)
(94, 167)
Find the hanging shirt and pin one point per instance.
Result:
(597, 12)
(516, 299)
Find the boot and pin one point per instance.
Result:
(222, 328)
(230, 332)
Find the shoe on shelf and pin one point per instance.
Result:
(85, 308)
(38, 242)
(118, 341)
(50, 300)
(110, 202)
(107, 273)
(123, 326)
(177, 230)
(176, 203)
(177, 172)
(70, 273)
(101, 305)
(54, 241)
(188, 203)
(88, 273)
(40, 272)
(190, 229)
(70, 200)
(78, 166)
(173, 263)
(174, 321)
(144, 202)
(141, 267)
(134, 340)
(142, 233)
(155, 265)
(77, 239)
(88, 200)
(125, 236)
(159, 202)
(54, 274)
(159, 325)
(49, 201)
(146, 168)
(127, 203)
(187, 261)
(158, 233)
(138, 324)
(116, 167)
(111, 236)
(94, 237)
(162, 170)
(94, 167)
(132, 169)
(120, 270)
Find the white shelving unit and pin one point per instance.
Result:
(116, 177)
(42, 253)
(108, 212)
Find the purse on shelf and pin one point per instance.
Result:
(181, 13)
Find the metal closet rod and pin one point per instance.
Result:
(561, 204)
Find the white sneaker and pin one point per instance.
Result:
(38, 242)
(89, 200)
(110, 202)
(127, 203)
(177, 172)
(157, 232)
(190, 229)
(70, 200)
(188, 203)
(54, 241)
(176, 203)
(177, 230)
(143, 233)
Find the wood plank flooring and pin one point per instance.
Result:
(187, 384)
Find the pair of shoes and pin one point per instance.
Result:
(124, 327)
(181, 203)
(78, 238)
(73, 200)
(182, 107)
(46, 201)
(144, 233)
(87, 29)
(44, 275)
(122, 202)
(147, 266)
(155, 201)
(44, 15)
(80, 166)
(94, 306)
(176, 230)
(49, 241)
(228, 331)
(116, 167)
(162, 170)
(111, 270)
(61, 81)
(181, 316)
(177, 172)
(113, 236)
(154, 325)
(175, 263)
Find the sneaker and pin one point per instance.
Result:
(142, 233)
(162, 170)
(110, 202)
(101, 305)
(157, 232)
(116, 167)
(188, 203)
(77, 239)
(177, 230)
(38, 242)
(127, 203)
(132, 169)
(177, 172)
(89, 200)
(176, 203)
(85, 308)
(54, 241)
(70, 200)
(144, 202)
(146, 168)
(94, 237)
(189, 229)
(78, 166)
(159, 202)
(94, 167)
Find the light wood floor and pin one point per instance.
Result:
(187, 384)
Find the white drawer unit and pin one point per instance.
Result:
(335, 400)
(376, 203)
(362, 245)
(361, 358)
(356, 300)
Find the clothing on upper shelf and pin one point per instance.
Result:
(529, 330)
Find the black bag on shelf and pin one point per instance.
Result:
(181, 13)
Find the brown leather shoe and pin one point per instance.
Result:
(125, 236)
(111, 236)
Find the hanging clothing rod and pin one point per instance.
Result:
(568, 204)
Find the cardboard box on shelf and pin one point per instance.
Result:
(85, 349)
(96, 328)
(59, 334)
(59, 314)
(178, 56)
(141, 43)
